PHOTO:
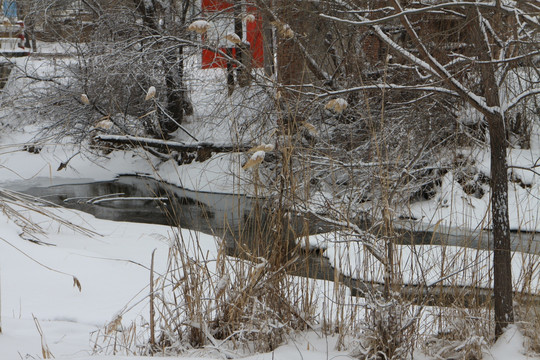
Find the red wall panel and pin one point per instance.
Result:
(253, 31)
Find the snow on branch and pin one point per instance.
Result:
(462, 57)
(387, 87)
(509, 105)
(172, 145)
(431, 64)
(460, 4)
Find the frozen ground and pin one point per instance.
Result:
(112, 267)
(221, 173)
(112, 264)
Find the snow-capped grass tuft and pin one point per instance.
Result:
(84, 99)
(232, 37)
(284, 30)
(199, 26)
(249, 18)
(151, 93)
(310, 127)
(337, 105)
(105, 124)
(262, 147)
(254, 160)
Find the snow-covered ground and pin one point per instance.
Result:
(112, 262)
(103, 263)
(42, 308)
(112, 267)
(452, 206)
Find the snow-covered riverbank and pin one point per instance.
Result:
(112, 263)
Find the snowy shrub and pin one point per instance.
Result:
(462, 333)
(390, 330)
(208, 300)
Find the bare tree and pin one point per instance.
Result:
(447, 52)
(121, 49)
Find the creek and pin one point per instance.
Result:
(146, 200)
(238, 220)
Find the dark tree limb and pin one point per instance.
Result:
(165, 145)
(502, 257)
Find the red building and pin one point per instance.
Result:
(225, 18)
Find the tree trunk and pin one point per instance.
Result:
(178, 104)
(502, 267)
(243, 53)
(268, 44)
(174, 103)
(230, 73)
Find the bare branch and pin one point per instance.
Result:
(516, 100)
(460, 4)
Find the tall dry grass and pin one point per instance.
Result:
(430, 296)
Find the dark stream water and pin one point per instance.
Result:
(145, 200)
(237, 219)
(240, 220)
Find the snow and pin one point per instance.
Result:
(84, 99)
(17, 165)
(426, 265)
(248, 18)
(258, 155)
(112, 264)
(337, 105)
(453, 207)
(150, 93)
(232, 37)
(199, 26)
(509, 346)
(112, 267)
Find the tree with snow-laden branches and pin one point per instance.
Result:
(495, 51)
(444, 54)
(125, 52)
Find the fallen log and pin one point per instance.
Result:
(172, 145)
(183, 153)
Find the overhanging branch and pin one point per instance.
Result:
(460, 4)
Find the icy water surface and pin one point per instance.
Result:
(241, 221)
(235, 218)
